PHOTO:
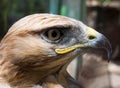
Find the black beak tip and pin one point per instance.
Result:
(107, 46)
(109, 51)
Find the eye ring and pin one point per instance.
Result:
(53, 35)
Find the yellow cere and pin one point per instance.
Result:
(69, 49)
(91, 32)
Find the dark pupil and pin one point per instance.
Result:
(54, 34)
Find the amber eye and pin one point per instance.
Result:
(53, 34)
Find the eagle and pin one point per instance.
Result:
(37, 49)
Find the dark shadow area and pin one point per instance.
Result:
(12, 10)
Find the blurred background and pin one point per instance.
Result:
(102, 15)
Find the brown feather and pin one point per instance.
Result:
(26, 60)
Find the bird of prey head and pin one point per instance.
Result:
(38, 48)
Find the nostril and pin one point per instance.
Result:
(91, 37)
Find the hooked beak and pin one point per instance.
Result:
(96, 40)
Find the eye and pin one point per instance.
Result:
(53, 34)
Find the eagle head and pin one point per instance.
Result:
(39, 45)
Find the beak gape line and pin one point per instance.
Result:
(69, 49)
